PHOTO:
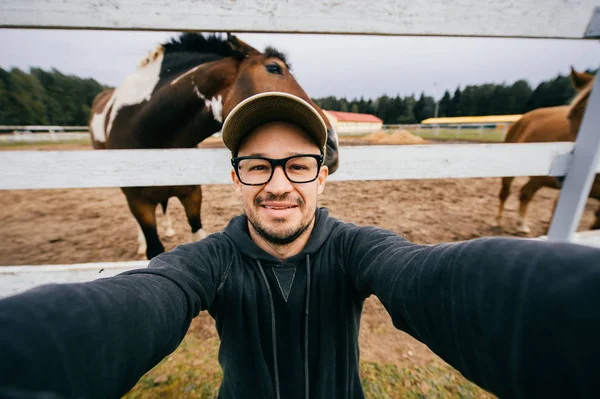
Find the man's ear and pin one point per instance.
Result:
(323, 173)
(236, 182)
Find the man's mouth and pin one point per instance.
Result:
(279, 210)
(279, 207)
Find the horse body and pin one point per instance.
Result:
(179, 96)
(549, 124)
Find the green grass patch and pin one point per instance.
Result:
(487, 135)
(192, 371)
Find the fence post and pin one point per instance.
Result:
(581, 172)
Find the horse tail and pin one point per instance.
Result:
(513, 132)
(163, 205)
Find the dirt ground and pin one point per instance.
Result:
(86, 225)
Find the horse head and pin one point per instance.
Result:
(582, 82)
(258, 72)
(243, 71)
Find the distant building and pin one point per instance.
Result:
(351, 123)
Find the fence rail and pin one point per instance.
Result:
(477, 18)
(129, 168)
(41, 128)
(486, 18)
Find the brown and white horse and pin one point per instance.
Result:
(548, 124)
(177, 97)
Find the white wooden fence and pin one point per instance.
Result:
(476, 18)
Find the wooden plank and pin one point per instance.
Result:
(59, 136)
(508, 18)
(127, 168)
(589, 238)
(43, 128)
(15, 279)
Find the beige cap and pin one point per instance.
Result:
(272, 107)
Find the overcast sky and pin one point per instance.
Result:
(350, 66)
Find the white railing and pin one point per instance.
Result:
(41, 128)
(37, 133)
(479, 18)
(37, 137)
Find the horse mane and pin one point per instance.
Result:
(192, 49)
(198, 43)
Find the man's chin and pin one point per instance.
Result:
(279, 232)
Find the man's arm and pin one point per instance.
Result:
(519, 317)
(96, 339)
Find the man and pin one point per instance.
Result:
(286, 283)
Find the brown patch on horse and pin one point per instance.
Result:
(152, 56)
(98, 107)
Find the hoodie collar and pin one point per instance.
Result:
(237, 230)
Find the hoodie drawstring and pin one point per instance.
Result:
(306, 385)
(273, 330)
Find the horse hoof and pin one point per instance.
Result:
(199, 235)
(169, 233)
(524, 229)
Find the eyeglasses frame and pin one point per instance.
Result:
(235, 162)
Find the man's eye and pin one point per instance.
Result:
(258, 168)
(299, 167)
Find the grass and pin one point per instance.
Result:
(192, 371)
(487, 135)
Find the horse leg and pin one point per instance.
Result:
(142, 247)
(192, 203)
(527, 193)
(145, 214)
(503, 195)
(167, 222)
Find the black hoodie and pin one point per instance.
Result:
(517, 316)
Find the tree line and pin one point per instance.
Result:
(484, 99)
(41, 97)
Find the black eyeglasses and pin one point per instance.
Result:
(256, 171)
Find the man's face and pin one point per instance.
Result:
(280, 211)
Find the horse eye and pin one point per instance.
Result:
(274, 68)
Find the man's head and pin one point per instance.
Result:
(277, 143)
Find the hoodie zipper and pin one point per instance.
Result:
(306, 381)
(273, 330)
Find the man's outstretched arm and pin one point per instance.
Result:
(519, 317)
(96, 339)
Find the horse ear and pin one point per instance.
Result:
(580, 80)
(240, 46)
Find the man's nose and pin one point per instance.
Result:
(279, 183)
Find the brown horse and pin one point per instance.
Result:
(549, 124)
(177, 97)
